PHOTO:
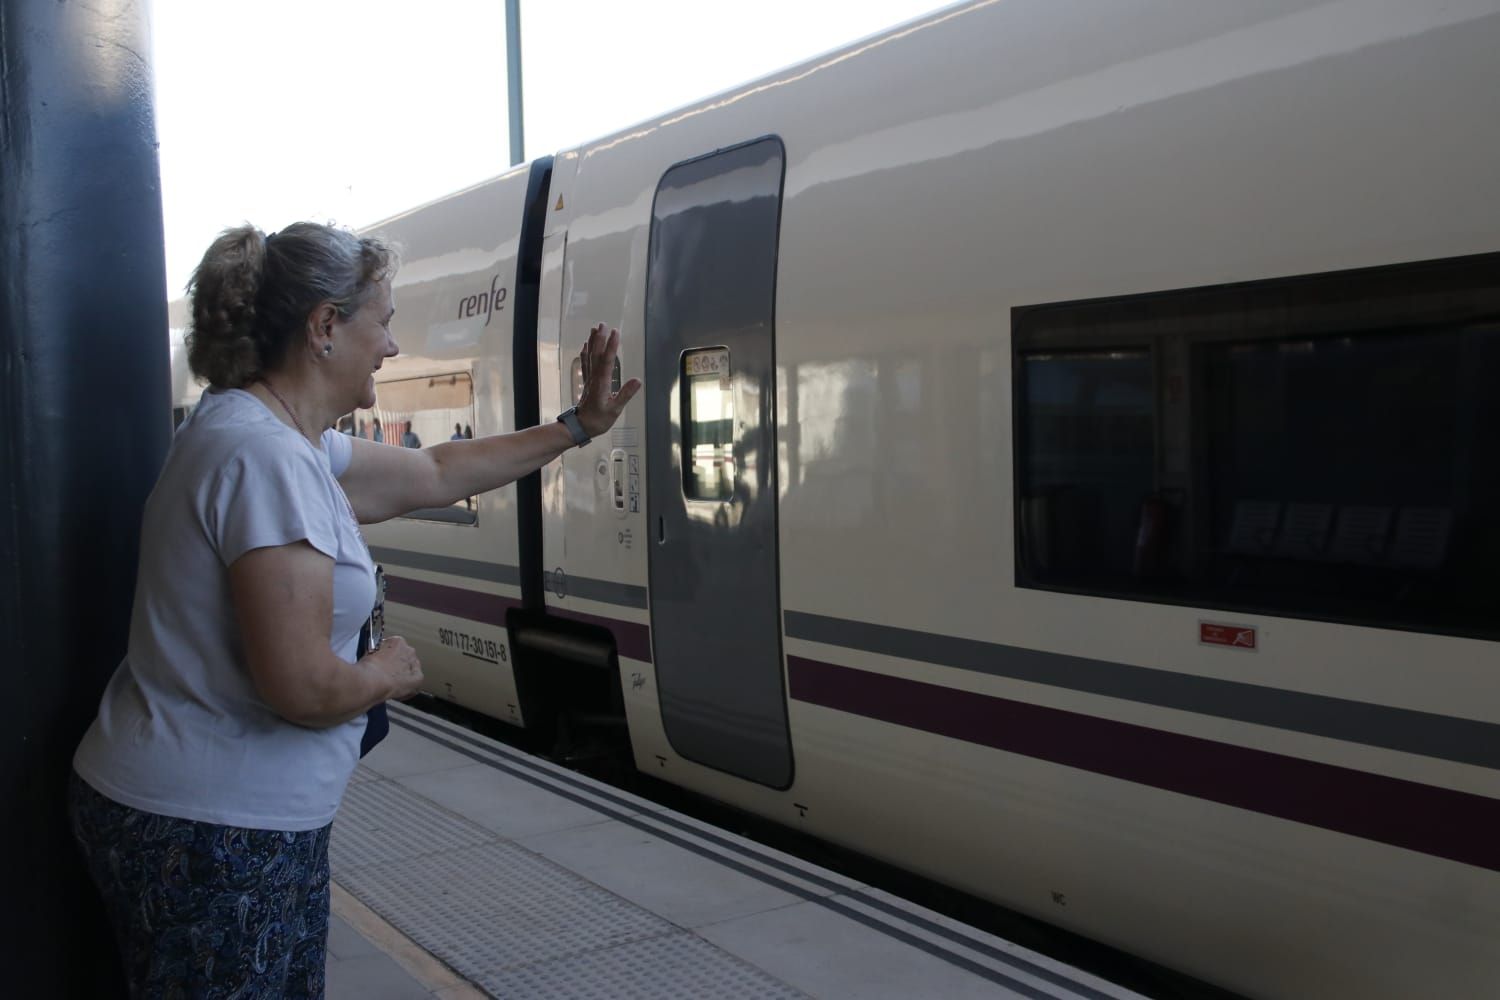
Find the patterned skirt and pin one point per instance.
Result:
(207, 911)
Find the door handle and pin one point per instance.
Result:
(617, 478)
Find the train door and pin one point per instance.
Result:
(711, 461)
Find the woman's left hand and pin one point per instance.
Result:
(599, 408)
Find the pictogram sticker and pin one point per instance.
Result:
(1233, 636)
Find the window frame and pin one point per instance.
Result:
(1460, 293)
(431, 515)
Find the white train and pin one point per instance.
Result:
(1066, 468)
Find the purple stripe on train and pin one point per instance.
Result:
(1437, 821)
(1448, 824)
(470, 604)
(631, 638)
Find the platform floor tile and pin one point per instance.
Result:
(686, 888)
(404, 753)
(357, 970)
(380, 821)
(499, 802)
(483, 908)
(529, 881)
(670, 967)
(850, 960)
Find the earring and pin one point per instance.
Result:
(327, 349)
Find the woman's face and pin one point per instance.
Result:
(363, 342)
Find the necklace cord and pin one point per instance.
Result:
(302, 432)
(284, 405)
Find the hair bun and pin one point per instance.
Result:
(221, 343)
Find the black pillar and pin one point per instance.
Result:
(84, 424)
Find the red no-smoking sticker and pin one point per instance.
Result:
(1234, 636)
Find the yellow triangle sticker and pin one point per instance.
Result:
(559, 206)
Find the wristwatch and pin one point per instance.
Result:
(569, 419)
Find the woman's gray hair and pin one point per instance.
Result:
(251, 294)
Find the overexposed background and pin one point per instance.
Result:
(279, 110)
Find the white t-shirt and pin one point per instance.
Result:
(181, 730)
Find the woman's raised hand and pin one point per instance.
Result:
(599, 408)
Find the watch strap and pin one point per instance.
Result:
(569, 419)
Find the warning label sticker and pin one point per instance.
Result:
(1234, 636)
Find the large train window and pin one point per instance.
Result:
(1316, 447)
(414, 413)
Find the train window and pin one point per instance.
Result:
(414, 413)
(707, 425)
(1310, 447)
(1089, 435)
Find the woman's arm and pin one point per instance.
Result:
(383, 481)
(283, 599)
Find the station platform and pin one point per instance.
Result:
(465, 868)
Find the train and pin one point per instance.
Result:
(1065, 468)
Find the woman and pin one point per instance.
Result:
(204, 792)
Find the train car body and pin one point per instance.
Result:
(1064, 468)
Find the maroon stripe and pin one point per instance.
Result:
(470, 604)
(631, 638)
(1437, 821)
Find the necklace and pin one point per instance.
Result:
(289, 411)
(302, 432)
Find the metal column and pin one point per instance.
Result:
(84, 425)
(513, 76)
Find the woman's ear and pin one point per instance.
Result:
(320, 326)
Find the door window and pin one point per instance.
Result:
(707, 425)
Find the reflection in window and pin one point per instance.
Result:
(576, 375)
(1090, 443)
(1314, 447)
(708, 426)
(837, 403)
(416, 413)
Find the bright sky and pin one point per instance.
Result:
(278, 110)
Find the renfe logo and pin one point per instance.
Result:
(1234, 636)
(489, 302)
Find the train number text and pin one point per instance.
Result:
(473, 646)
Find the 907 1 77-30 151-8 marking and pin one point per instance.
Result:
(473, 646)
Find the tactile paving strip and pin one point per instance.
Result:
(483, 908)
(380, 821)
(674, 966)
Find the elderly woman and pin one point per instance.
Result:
(205, 790)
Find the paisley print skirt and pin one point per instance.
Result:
(207, 911)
